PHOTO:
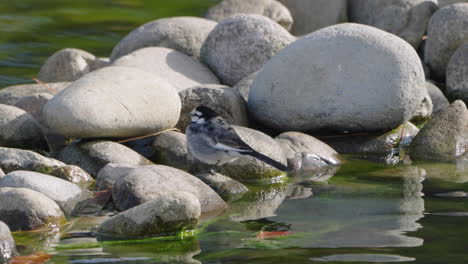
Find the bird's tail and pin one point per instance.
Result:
(267, 160)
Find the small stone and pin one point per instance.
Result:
(11, 94)
(165, 214)
(74, 174)
(17, 159)
(25, 209)
(439, 101)
(170, 149)
(7, 243)
(226, 187)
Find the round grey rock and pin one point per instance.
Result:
(66, 65)
(64, 193)
(34, 104)
(110, 173)
(447, 31)
(294, 143)
(340, 78)
(241, 44)
(18, 159)
(165, 214)
(11, 94)
(413, 16)
(19, 129)
(114, 102)
(226, 187)
(457, 72)
(439, 101)
(269, 8)
(94, 155)
(170, 149)
(7, 243)
(180, 70)
(310, 16)
(226, 101)
(184, 34)
(145, 183)
(25, 209)
(444, 137)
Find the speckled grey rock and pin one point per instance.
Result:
(74, 174)
(444, 137)
(457, 72)
(327, 89)
(184, 34)
(64, 193)
(269, 8)
(146, 183)
(243, 86)
(310, 16)
(247, 169)
(94, 155)
(226, 187)
(296, 144)
(405, 18)
(25, 209)
(424, 110)
(18, 159)
(226, 101)
(180, 70)
(239, 45)
(67, 65)
(439, 100)
(114, 102)
(447, 31)
(165, 214)
(170, 149)
(11, 94)
(7, 243)
(19, 129)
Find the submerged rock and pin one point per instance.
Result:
(269, 8)
(240, 45)
(17, 159)
(114, 102)
(325, 89)
(444, 137)
(7, 243)
(94, 155)
(184, 34)
(162, 215)
(25, 209)
(180, 70)
(226, 101)
(64, 193)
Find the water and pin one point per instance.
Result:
(366, 213)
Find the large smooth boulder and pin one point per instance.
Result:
(444, 137)
(184, 34)
(247, 169)
(7, 243)
(145, 183)
(310, 16)
(180, 70)
(114, 102)
(405, 18)
(165, 214)
(312, 152)
(11, 94)
(19, 129)
(25, 209)
(446, 32)
(439, 101)
(68, 65)
(18, 159)
(170, 148)
(226, 101)
(64, 193)
(457, 72)
(269, 8)
(240, 45)
(340, 78)
(94, 155)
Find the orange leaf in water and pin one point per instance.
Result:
(36, 258)
(271, 234)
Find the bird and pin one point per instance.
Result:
(212, 140)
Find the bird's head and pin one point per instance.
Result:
(202, 113)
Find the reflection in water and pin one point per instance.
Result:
(365, 258)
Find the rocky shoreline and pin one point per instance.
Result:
(354, 80)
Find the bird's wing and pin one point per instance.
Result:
(228, 139)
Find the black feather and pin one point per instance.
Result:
(267, 160)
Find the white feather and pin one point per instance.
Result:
(224, 148)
